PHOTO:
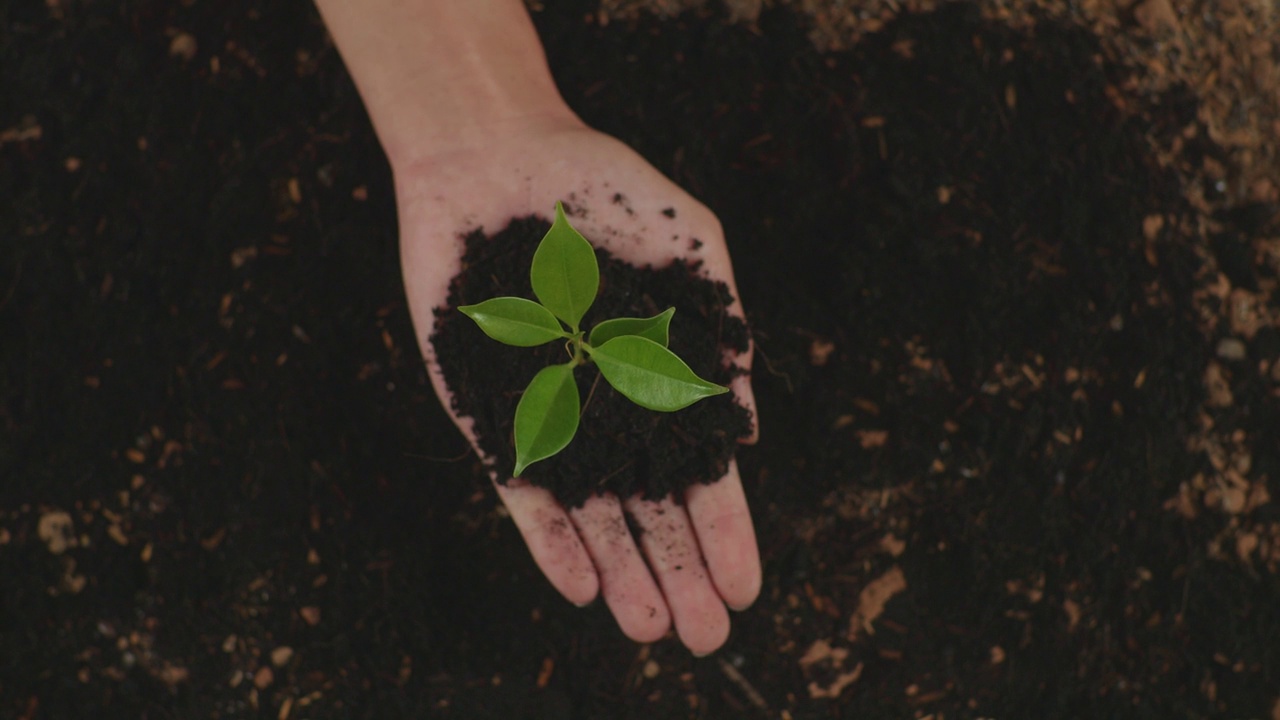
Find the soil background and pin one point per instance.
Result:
(1010, 269)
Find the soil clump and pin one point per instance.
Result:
(620, 447)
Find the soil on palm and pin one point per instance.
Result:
(620, 447)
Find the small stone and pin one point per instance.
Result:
(183, 45)
(1156, 16)
(1231, 349)
(115, 533)
(310, 614)
(893, 545)
(1151, 226)
(1233, 500)
(1072, 610)
(651, 669)
(56, 531)
(281, 656)
(820, 352)
(173, 675)
(263, 677)
(1245, 545)
(1217, 386)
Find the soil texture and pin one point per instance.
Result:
(1011, 283)
(620, 447)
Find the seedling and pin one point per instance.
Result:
(631, 353)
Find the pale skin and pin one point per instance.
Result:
(477, 134)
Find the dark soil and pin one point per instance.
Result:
(620, 447)
(1008, 467)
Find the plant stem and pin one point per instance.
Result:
(590, 394)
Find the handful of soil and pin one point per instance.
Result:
(620, 447)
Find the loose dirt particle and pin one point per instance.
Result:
(1156, 16)
(869, 439)
(1231, 349)
(172, 674)
(183, 45)
(872, 601)
(1246, 544)
(1151, 226)
(544, 674)
(310, 614)
(837, 686)
(116, 534)
(821, 650)
(1217, 386)
(281, 656)
(820, 351)
(892, 545)
(56, 531)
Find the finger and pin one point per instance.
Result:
(547, 531)
(722, 524)
(701, 620)
(552, 539)
(625, 581)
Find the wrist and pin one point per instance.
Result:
(489, 128)
(438, 76)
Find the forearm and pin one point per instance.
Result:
(439, 75)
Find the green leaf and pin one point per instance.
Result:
(654, 328)
(547, 416)
(564, 272)
(650, 375)
(515, 321)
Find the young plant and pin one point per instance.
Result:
(631, 353)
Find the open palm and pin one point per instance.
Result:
(647, 582)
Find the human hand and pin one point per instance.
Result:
(526, 168)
